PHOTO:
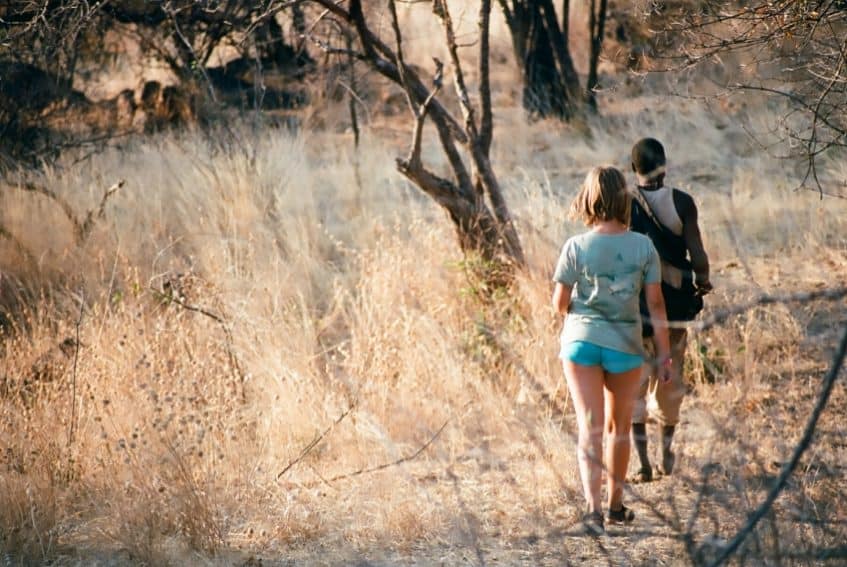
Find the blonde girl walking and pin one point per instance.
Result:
(598, 279)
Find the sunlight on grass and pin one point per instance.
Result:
(239, 299)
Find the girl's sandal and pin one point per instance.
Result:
(592, 524)
(622, 516)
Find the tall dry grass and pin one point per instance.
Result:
(246, 307)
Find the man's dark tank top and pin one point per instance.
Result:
(671, 247)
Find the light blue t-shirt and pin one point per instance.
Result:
(607, 273)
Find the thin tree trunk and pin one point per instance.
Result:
(543, 94)
(559, 42)
(597, 23)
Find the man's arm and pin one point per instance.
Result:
(687, 211)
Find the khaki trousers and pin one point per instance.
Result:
(662, 400)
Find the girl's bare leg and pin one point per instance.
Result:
(621, 390)
(586, 387)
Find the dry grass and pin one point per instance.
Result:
(319, 295)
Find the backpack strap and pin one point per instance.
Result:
(665, 235)
(645, 206)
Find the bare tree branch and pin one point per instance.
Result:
(487, 180)
(414, 158)
(401, 63)
(443, 10)
(793, 49)
(485, 229)
(315, 441)
(400, 461)
(99, 212)
(387, 63)
(486, 124)
(196, 61)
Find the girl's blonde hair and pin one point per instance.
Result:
(602, 197)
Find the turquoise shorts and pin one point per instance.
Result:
(589, 354)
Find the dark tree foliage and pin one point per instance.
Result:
(43, 44)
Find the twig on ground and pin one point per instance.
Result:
(399, 461)
(829, 294)
(230, 342)
(314, 442)
(53, 196)
(99, 212)
(81, 230)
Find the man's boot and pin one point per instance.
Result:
(639, 439)
(668, 457)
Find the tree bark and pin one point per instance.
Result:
(596, 26)
(550, 83)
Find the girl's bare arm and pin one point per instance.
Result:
(561, 298)
(659, 320)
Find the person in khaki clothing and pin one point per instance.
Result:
(669, 217)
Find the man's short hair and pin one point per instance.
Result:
(648, 157)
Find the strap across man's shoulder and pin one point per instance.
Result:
(645, 206)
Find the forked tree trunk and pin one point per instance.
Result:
(472, 198)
